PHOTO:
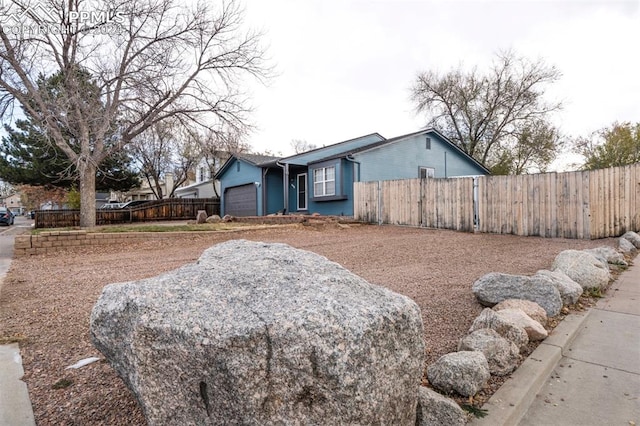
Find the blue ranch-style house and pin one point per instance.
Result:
(321, 180)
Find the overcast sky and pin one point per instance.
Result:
(345, 67)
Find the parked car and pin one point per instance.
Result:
(134, 203)
(6, 216)
(111, 206)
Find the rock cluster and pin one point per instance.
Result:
(521, 306)
(263, 334)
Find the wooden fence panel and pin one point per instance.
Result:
(365, 201)
(434, 203)
(401, 202)
(166, 209)
(587, 204)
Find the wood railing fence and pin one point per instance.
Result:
(165, 209)
(587, 205)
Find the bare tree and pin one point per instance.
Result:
(300, 145)
(487, 115)
(217, 146)
(150, 60)
(165, 148)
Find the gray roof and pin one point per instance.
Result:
(256, 159)
(336, 149)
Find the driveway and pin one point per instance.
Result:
(7, 234)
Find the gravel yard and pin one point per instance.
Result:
(46, 300)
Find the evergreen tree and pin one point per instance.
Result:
(27, 155)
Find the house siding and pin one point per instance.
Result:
(273, 185)
(247, 174)
(402, 160)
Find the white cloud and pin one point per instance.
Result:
(346, 66)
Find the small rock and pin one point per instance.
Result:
(530, 308)
(435, 409)
(228, 218)
(570, 291)
(534, 329)
(214, 219)
(609, 255)
(626, 247)
(463, 372)
(583, 268)
(502, 355)
(201, 217)
(495, 287)
(510, 331)
(633, 238)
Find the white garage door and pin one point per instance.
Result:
(241, 200)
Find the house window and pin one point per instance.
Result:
(302, 191)
(203, 174)
(428, 143)
(324, 181)
(427, 172)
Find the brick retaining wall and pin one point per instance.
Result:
(50, 242)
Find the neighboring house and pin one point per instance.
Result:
(144, 192)
(203, 186)
(321, 180)
(13, 203)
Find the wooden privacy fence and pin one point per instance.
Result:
(166, 209)
(590, 204)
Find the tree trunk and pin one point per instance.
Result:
(87, 175)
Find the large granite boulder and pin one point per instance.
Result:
(438, 410)
(583, 268)
(570, 291)
(495, 287)
(502, 355)
(507, 329)
(534, 329)
(462, 372)
(633, 238)
(257, 333)
(530, 308)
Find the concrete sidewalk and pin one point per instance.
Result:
(587, 372)
(15, 405)
(597, 381)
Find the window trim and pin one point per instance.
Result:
(427, 169)
(324, 181)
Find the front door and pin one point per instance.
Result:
(302, 191)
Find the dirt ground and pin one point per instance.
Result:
(46, 300)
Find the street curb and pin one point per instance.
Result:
(510, 403)
(15, 405)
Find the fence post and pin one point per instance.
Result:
(379, 202)
(476, 217)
